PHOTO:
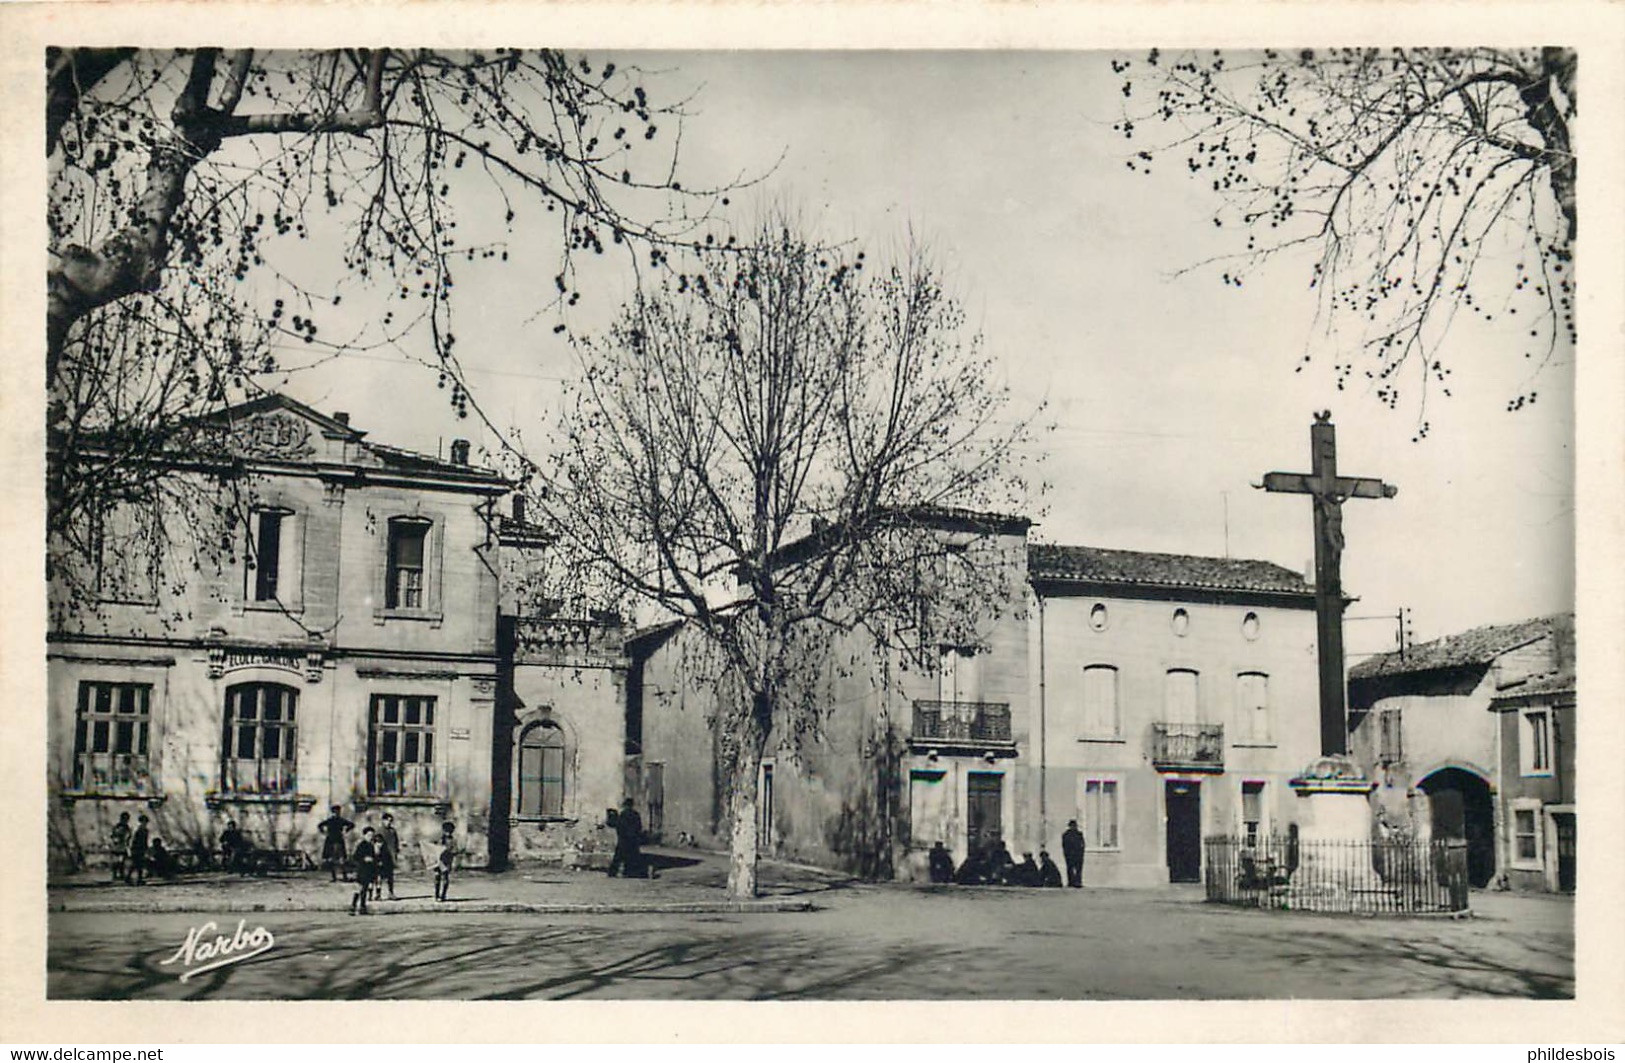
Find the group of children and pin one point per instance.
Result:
(376, 855)
(135, 852)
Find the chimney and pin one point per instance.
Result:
(342, 418)
(459, 452)
(519, 509)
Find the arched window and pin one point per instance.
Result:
(541, 770)
(258, 754)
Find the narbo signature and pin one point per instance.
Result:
(206, 949)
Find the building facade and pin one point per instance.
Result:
(322, 632)
(1154, 698)
(1424, 726)
(1177, 699)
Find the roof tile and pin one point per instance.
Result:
(1093, 564)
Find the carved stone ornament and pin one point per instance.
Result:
(274, 435)
(1336, 772)
(1332, 766)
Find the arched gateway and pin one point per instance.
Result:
(1461, 805)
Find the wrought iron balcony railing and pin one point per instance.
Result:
(980, 726)
(1187, 746)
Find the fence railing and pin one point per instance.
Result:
(961, 721)
(1366, 877)
(1188, 746)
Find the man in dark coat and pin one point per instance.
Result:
(1048, 873)
(628, 843)
(333, 829)
(1000, 864)
(942, 864)
(389, 851)
(137, 865)
(1025, 873)
(1072, 851)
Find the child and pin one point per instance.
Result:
(365, 860)
(448, 854)
(120, 843)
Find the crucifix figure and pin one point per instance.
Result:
(1329, 491)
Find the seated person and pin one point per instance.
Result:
(1048, 873)
(941, 864)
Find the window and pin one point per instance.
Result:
(110, 737)
(1526, 835)
(1100, 813)
(541, 770)
(1100, 719)
(1535, 742)
(404, 572)
(260, 739)
(400, 751)
(1249, 626)
(263, 566)
(1390, 736)
(1180, 696)
(1097, 617)
(126, 541)
(1252, 811)
(1181, 622)
(1253, 707)
(959, 674)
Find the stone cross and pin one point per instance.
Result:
(1329, 491)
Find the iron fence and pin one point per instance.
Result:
(961, 721)
(1364, 877)
(1192, 746)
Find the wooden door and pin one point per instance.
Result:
(984, 810)
(1184, 837)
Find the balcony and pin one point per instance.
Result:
(1187, 747)
(963, 727)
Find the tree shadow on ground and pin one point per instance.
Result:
(513, 962)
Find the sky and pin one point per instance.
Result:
(1170, 393)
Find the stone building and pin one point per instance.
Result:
(1153, 697)
(321, 632)
(1423, 726)
(908, 747)
(1176, 698)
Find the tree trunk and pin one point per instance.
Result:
(742, 850)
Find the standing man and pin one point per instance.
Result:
(1072, 851)
(138, 853)
(389, 851)
(333, 829)
(119, 842)
(628, 842)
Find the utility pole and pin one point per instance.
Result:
(1329, 491)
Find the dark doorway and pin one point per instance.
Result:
(654, 795)
(764, 811)
(1184, 831)
(984, 826)
(1460, 807)
(1565, 850)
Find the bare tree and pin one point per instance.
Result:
(756, 448)
(1427, 182)
(209, 206)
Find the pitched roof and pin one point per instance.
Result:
(1477, 647)
(1177, 571)
(392, 457)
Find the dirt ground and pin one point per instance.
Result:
(860, 942)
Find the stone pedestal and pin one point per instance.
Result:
(1334, 829)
